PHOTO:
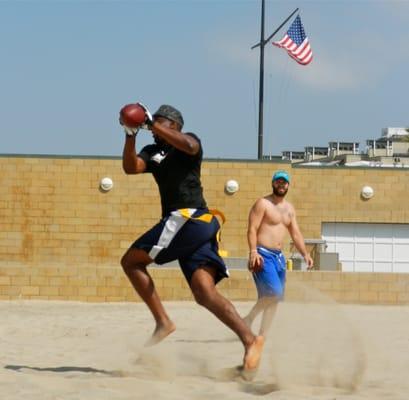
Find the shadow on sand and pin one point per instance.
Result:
(234, 374)
(87, 370)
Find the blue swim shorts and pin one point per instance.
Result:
(187, 235)
(270, 280)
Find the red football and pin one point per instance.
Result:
(132, 115)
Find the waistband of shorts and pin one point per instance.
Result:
(268, 250)
(196, 211)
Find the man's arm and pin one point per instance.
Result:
(164, 129)
(131, 163)
(254, 221)
(181, 141)
(298, 240)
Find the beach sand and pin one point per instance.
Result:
(71, 350)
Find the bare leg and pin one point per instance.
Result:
(134, 263)
(270, 308)
(205, 292)
(266, 305)
(252, 315)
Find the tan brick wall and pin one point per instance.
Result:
(61, 237)
(333, 195)
(109, 284)
(349, 287)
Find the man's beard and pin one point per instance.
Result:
(278, 193)
(161, 143)
(158, 140)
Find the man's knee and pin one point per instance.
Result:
(203, 293)
(203, 285)
(134, 259)
(196, 294)
(201, 297)
(125, 262)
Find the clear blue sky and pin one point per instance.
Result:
(68, 66)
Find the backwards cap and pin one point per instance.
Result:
(170, 113)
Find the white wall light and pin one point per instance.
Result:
(106, 184)
(367, 192)
(231, 186)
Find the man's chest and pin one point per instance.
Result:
(158, 157)
(277, 215)
(168, 164)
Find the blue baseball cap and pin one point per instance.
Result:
(281, 175)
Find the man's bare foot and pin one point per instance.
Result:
(252, 358)
(160, 333)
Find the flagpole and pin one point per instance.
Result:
(261, 87)
(271, 36)
(261, 79)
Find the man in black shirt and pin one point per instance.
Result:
(187, 231)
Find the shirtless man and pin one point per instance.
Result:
(269, 220)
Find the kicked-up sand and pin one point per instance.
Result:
(321, 350)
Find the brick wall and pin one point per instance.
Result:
(109, 284)
(61, 237)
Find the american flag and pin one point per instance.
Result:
(296, 43)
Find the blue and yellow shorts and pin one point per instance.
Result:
(188, 235)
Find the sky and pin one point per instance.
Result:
(67, 67)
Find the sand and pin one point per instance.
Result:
(69, 350)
